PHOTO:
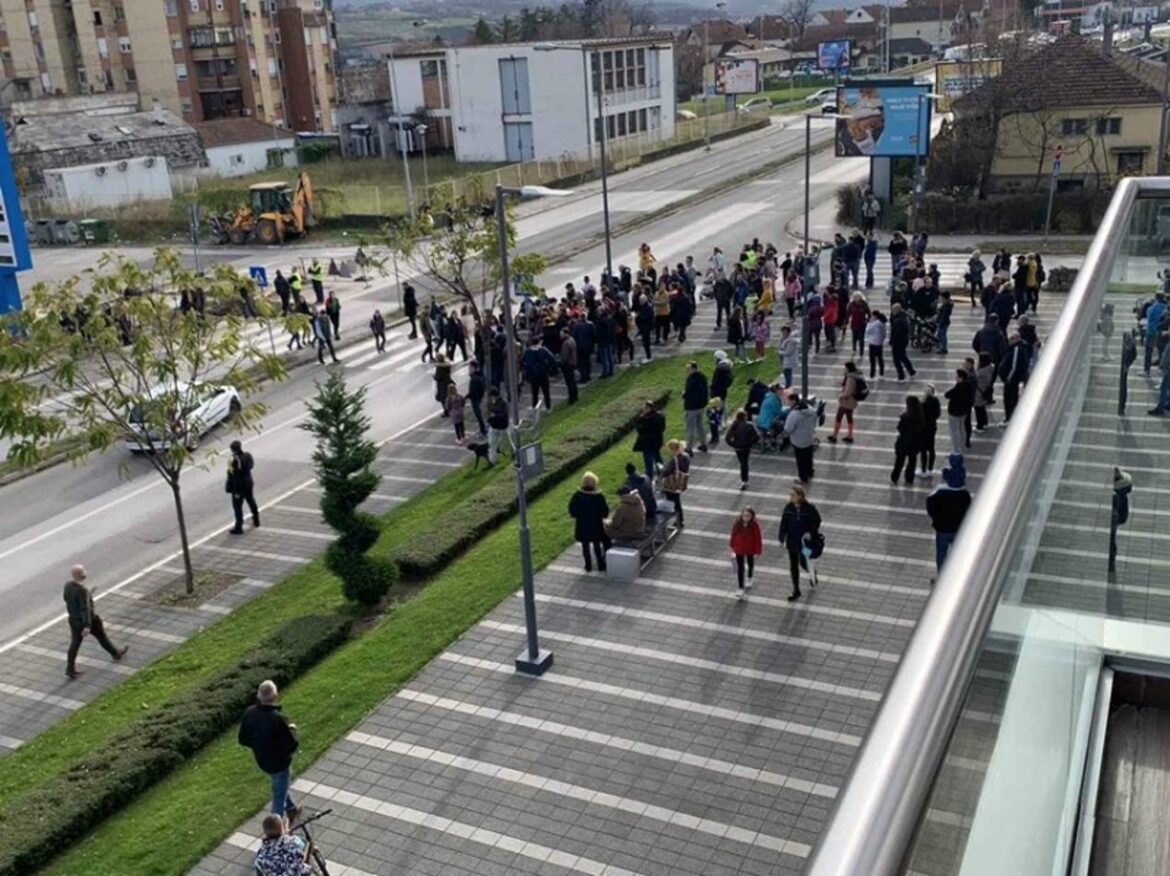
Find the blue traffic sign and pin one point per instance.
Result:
(260, 275)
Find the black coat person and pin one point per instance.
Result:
(410, 308)
(240, 486)
(283, 292)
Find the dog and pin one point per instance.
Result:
(480, 449)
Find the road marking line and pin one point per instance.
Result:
(252, 844)
(118, 668)
(169, 638)
(10, 742)
(300, 533)
(40, 697)
(593, 796)
(782, 572)
(245, 552)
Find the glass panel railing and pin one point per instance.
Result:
(974, 764)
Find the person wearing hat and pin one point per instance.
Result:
(721, 379)
(239, 485)
(947, 505)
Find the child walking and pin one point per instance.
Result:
(747, 543)
(455, 410)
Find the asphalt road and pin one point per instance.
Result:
(115, 514)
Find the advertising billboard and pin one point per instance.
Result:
(733, 76)
(834, 55)
(955, 78)
(882, 119)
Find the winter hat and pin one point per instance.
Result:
(955, 474)
(720, 356)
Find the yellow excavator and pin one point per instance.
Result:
(278, 211)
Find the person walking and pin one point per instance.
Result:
(661, 316)
(974, 277)
(333, 308)
(800, 526)
(856, 315)
(266, 730)
(1154, 318)
(931, 413)
(240, 485)
(746, 543)
(300, 308)
(442, 378)
(761, 334)
(456, 408)
(410, 309)
(960, 401)
(875, 339)
(378, 330)
(589, 509)
(911, 425)
(984, 391)
(296, 283)
(476, 390)
(789, 352)
(323, 336)
(1122, 487)
(1013, 371)
(947, 505)
(283, 292)
(870, 255)
(853, 390)
(695, 398)
(568, 362)
(945, 308)
(742, 437)
(1163, 403)
(722, 377)
(675, 474)
(900, 342)
(801, 427)
(871, 209)
(498, 420)
(723, 290)
(317, 278)
(538, 365)
(650, 427)
(991, 340)
(84, 620)
(585, 335)
(644, 322)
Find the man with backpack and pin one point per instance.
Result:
(538, 365)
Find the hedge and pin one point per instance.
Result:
(39, 824)
(496, 502)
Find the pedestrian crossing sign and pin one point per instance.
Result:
(260, 275)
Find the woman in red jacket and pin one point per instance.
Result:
(747, 543)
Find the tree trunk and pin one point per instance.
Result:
(188, 569)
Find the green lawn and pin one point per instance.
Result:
(171, 827)
(782, 98)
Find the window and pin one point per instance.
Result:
(119, 13)
(103, 47)
(186, 104)
(1073, 127)
(275, 157)
(180, 72)
(131, 76)
(1109, 126)
(238, 158)
(271, 66)
(97, 18)
(219, 5)
(177, 44)
(108, 75)
(429, 69)
(276, 37)
(308, 37)
(82, 78)
(124, 45)
(225, 36)
(171, 8)
(32, 18)
(1131, 163)
(200, 37)
(194, 5)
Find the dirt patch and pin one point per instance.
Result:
(208, 585)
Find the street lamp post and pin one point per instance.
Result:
(421, 130)
(919, 156)
(804, 268)
(534, 660)
(703, 77)
(398, 127)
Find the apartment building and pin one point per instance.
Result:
(272, 60)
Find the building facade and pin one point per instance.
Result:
(518, 103)
(272, 60)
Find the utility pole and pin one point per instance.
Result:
(1057, 160)
(1164, 129)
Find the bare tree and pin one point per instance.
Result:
(797, 13)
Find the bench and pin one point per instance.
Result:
(626, 558)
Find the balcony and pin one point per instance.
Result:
(218, 83)
(207, 53)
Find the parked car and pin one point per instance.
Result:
(821, 95)
(204, 407)
(754, 105)
(685, 116)
(829, 106)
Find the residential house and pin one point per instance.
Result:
(865, 37)
(772, 30)
(365, 106)
(713, 33)
(237, 147)
(907, 51)
(1069, 94)
(773, 62)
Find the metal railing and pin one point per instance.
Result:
(881, 804)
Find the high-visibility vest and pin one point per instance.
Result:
(296, 282)
(317, 272)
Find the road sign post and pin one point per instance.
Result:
(1057, 163)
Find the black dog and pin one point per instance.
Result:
(480, 450)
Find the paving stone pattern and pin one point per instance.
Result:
(680, 730)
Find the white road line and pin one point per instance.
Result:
(691, 662)
(10, 742)
(246, 552)
(764, 568)
(1104, 504)
(406, 479)
(546, 784)
(1103, 556)
(38, 696)
(300, 533)
(652, 699)
(1123, 532)
(252, 844)
(169, 638)
(727, 629)
(92, 662)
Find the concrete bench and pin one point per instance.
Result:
(626, 558)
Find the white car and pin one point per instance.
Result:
(821, 96)
(754, 105)
(208, 405)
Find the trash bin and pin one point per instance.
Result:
(95, 231)
(45, 232)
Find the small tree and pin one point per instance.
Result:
(483, 33)
(122, 361)
(342, 460)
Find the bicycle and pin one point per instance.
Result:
(317, 863)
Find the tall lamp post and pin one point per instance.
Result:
(534, 660)
(804, 268)
(398, 127)
(603, 136)
(920, 155)
(421, 130)
(703, 76)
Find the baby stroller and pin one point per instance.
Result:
(923, 333)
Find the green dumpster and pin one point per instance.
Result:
(95, 231)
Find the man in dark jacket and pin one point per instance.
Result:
(1013, 371)
(83, 620)
(604, 337)
(476, 390)
(410, 308)
(498, 420)
(695, 398)
(283, 292)
(568, 360)
(273, 741)
(635, 481)
(1003, 305)
(991, 340)
(323, 336)
(539, 365)
(947, 506)
(584, 334)
(900, 341)
(239, 484)
(723, 292)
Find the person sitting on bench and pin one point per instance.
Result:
(628, 521)
(636, 481)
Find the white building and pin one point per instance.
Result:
(518, 102)
(239, 146)
(108, 184)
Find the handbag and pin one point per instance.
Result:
(675, 482)
(814, 545)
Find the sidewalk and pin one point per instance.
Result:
(680, 731)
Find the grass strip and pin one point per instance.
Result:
(169, 829)
(310, 590)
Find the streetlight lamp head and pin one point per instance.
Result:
(421, 130)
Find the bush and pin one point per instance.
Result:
(1061, 279)
(496, 502)
(40, 823)
(1072, 212)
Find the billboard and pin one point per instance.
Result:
(733, 76)
(834, 55)
(953, 79)
(882, 119)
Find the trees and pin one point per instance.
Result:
(120, 360)
(797, 13)
(342, 460)
(483, 33)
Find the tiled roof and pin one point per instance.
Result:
(859, 33)
(946, 12)
(228, 132)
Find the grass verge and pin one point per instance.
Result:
(160, 833)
